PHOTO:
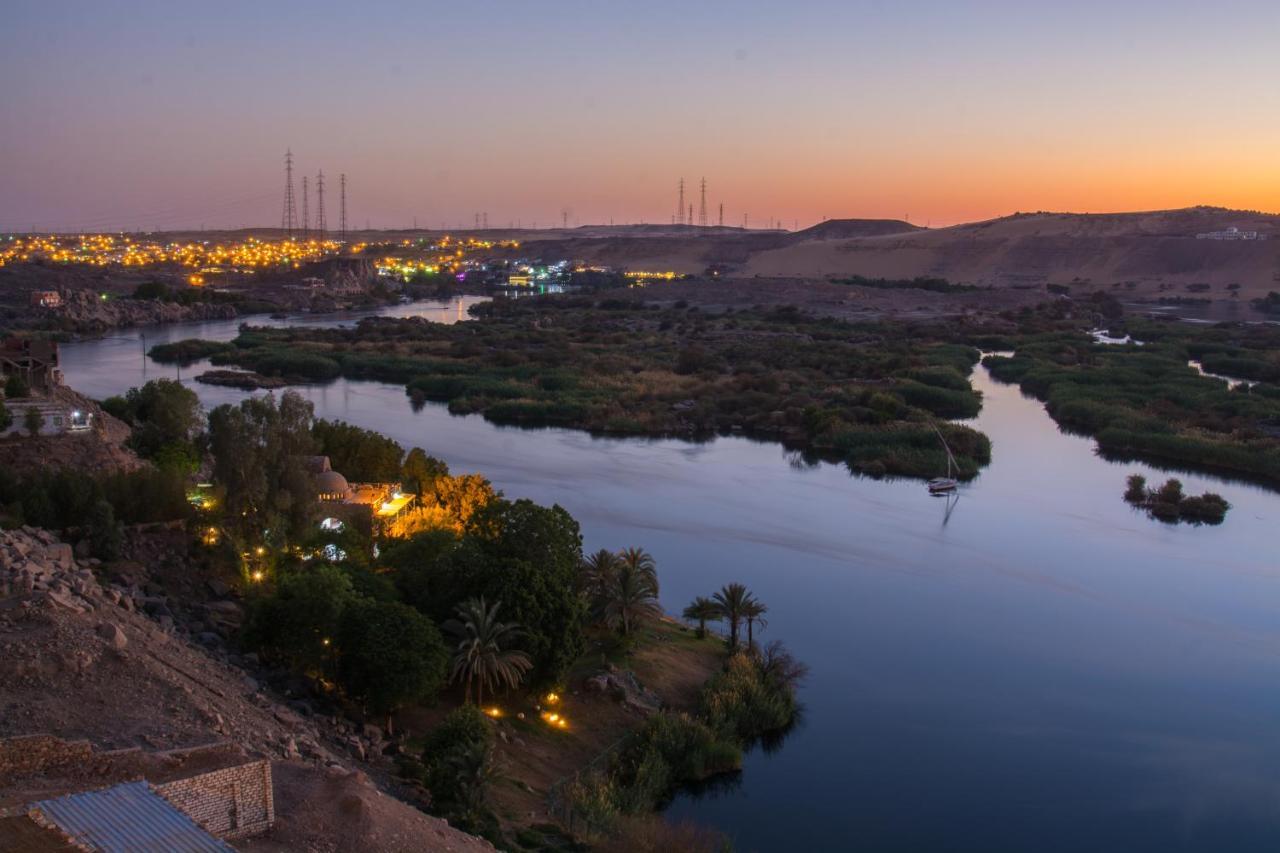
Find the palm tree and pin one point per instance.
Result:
(732, 601)
(482, 654)
(629, 595)
(753, 611)
(594, 572)
(702, 609)
(640, 561)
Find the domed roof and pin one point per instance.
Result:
(332, 483)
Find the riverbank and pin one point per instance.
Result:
(1039, 570)
(1139, 395)
(668, 664)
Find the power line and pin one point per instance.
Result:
(306, 220)
(321, 225)
(342, 207)
(680, 205)
(289, 217)
(702, 206)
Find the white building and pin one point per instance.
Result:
(1232, 233)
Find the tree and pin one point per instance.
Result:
(732, 601)
(703, 610)
(779, 669)
(361, 455)
(482, 654)
(388, 655)
(420, 472)
(6, 417)
(753, 612)
(630, 594)
(527, 556)
(15, 386)
(594, 573)
(106, 535)
(463, 497)
(33, 421)
(259, 456)
(642, 563)
(298, 622)
(162, 413)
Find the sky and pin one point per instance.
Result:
(168, 115)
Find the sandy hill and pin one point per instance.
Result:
(1147, 253)
(835, 229)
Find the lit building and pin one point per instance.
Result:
(372, 507)
(46, 299)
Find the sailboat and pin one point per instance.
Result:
(947, 484)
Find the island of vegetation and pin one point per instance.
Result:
(1168, 503)
(1144, 400)
(525, 691)
(862, 393)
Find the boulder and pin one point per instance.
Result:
(114, 637)
(60, 555)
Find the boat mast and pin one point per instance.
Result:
(951, 460)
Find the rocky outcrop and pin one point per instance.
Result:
(624, 687)
(87, 311)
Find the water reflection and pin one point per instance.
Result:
(1035, 667)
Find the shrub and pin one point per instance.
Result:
(462, 736)
(739, 704)
(15, 386)
(1136, 491)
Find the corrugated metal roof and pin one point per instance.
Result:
(129, 818)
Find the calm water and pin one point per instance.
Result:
(1046, 669)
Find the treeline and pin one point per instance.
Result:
(934, 285)
(92, 507)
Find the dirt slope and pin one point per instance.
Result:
(82, 660)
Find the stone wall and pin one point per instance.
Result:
(32, 754)
(230, 803)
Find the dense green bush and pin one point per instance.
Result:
(741, 705)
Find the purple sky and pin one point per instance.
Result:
(177, 115)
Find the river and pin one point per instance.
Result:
(1033, 666)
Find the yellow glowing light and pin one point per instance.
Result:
(493, 712)
(552, 699)
(257, 576)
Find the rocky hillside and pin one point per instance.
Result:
(100, 450)
(119, 665)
